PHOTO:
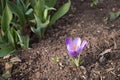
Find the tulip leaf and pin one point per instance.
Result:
(18, 12)
(26, 40)
(62, 11)
(6, 19)
(21, 4)
(23, 40)
(10, 37)
(46, 11)
(3, 3)
(6, 50)
(40, 24)
(50, 3)
(40, 29)
(39, 8)
(36, 31)
(28, 12)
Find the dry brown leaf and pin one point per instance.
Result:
(15, 59)
(6, 57)
(106, 51)
(8, 66)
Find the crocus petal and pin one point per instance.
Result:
(69, 47)
(84, 43)
(68, 41)
(73, 53)
(77, 42)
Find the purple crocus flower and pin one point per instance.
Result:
(75, 46)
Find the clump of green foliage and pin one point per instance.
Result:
(56, 59)
(42, 13)
(10, 37)
(114, 15)
(94, 3)
(16, 16)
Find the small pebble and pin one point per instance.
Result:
(37, 52)
(37, 74)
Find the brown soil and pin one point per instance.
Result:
(81, 21)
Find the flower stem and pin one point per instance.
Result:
(76, 61)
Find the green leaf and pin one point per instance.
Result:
(39, 8)
(6, 50)
(114, 15)
(40, 24)
(56, 59)
(6, 75)
(3, 3)
(37, 31)
(27, 3)
(50, 3)
(1, 41)
(46, 11)
(28, 12)
(6, 19)
(21, 4)
(16, 24)
(33, 2)
(1, 78)
(18, 12)
(0, 12)
(10, 38)
(41, 27)
(26, 40)
(94, 3)
(20, 38)
(23, 40)
(62, 11)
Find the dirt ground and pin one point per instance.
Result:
(84, 22)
